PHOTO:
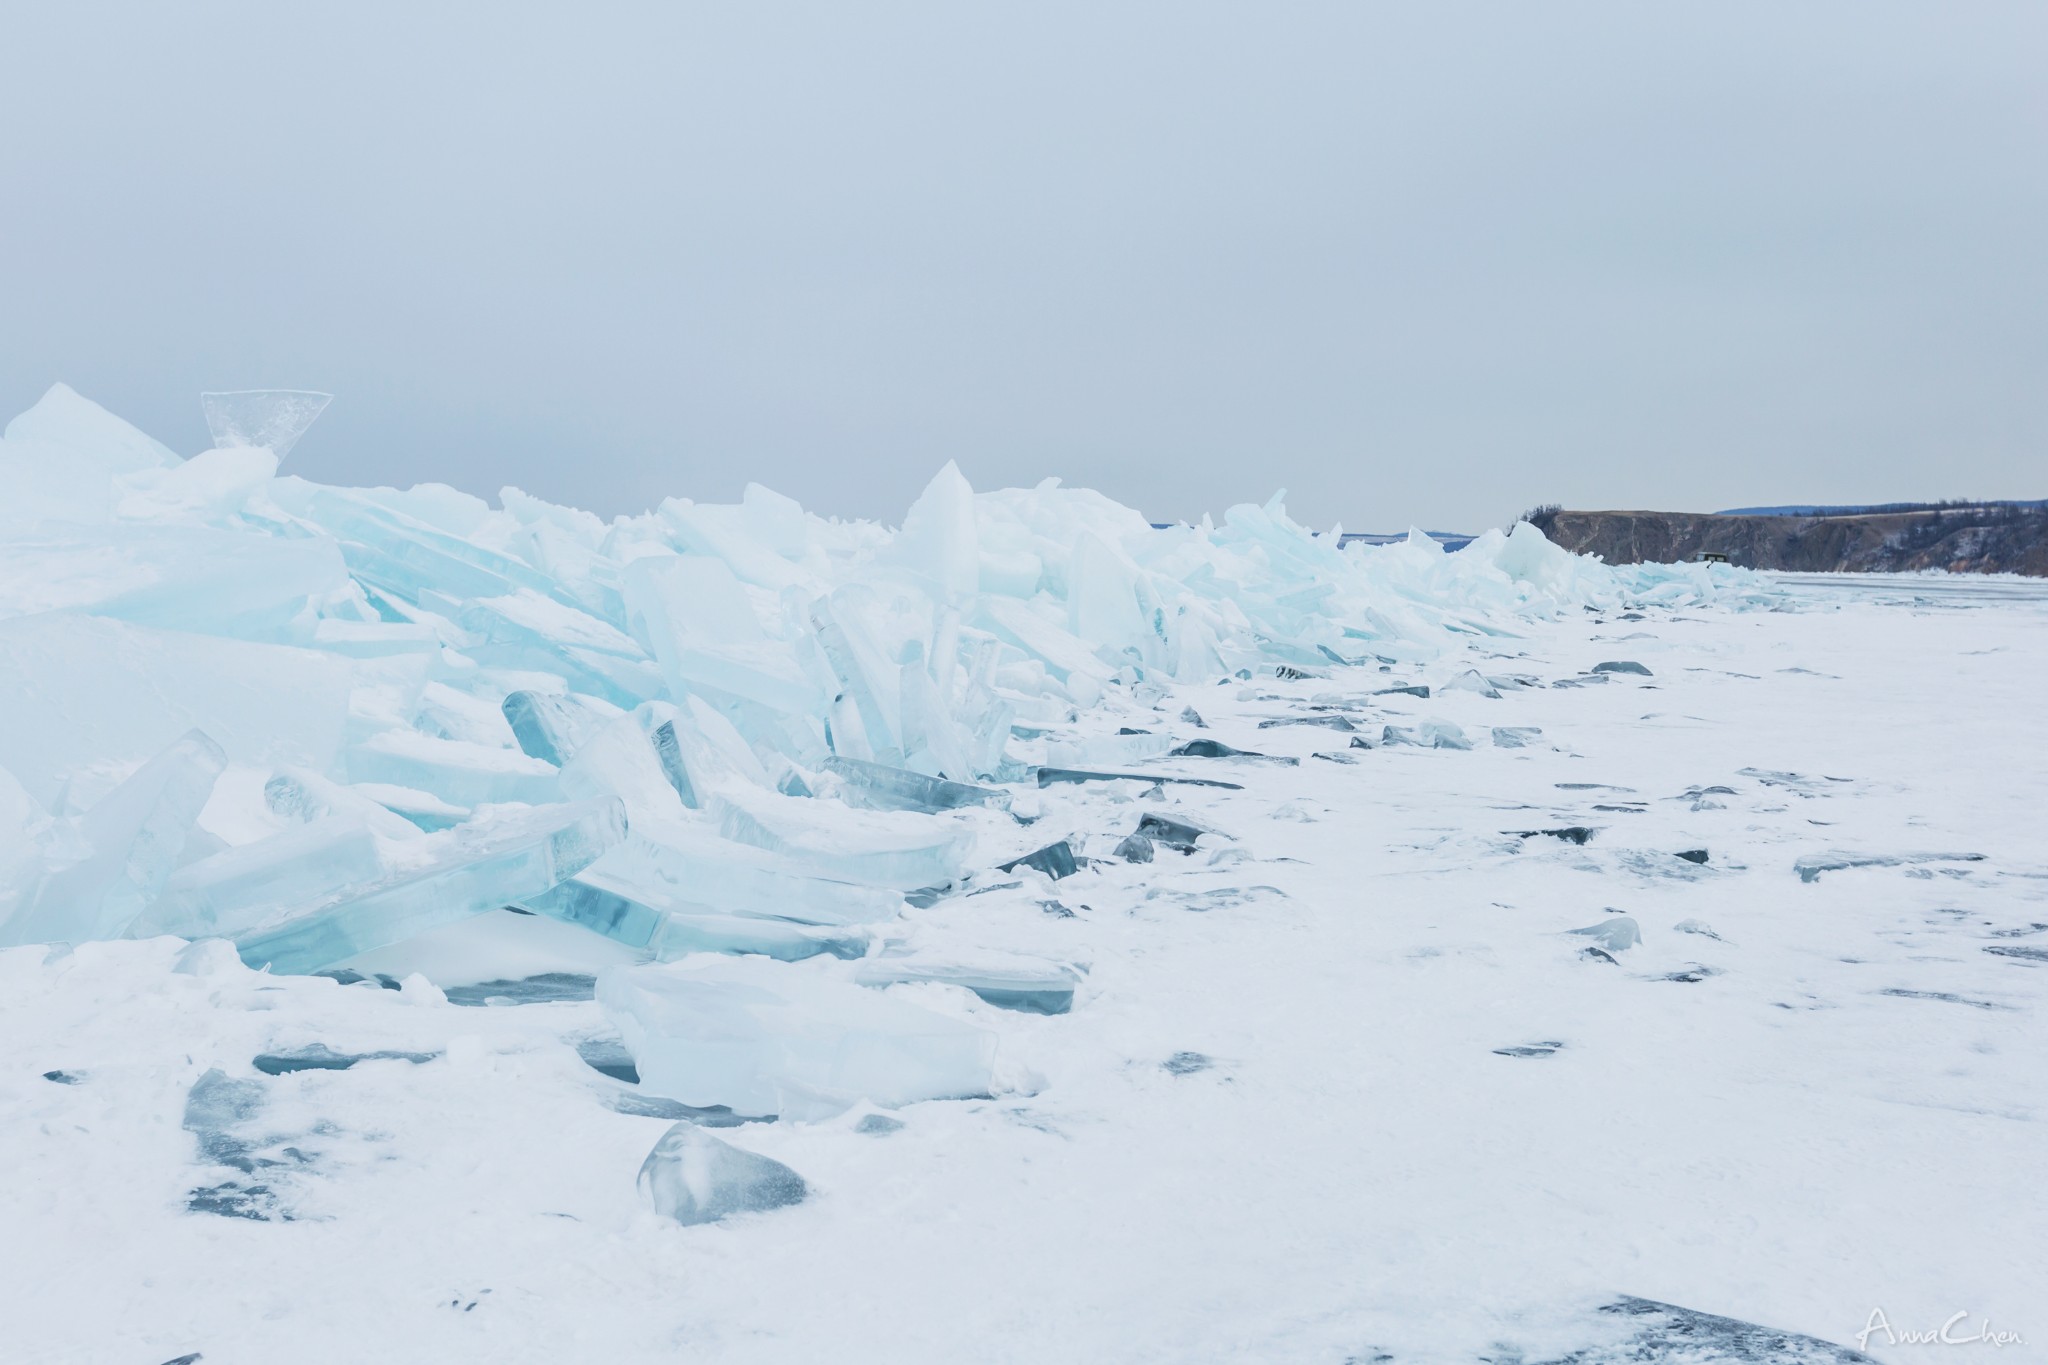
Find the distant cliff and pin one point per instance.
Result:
(1986, 538)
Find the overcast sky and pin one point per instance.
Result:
(1428, 262)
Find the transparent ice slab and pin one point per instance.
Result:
(893, 850)
(274, 419)
(881, 787)
(477, 868)
(693, 1177)
(609, 906)
(233, 889)
(686, 867)
(764, 1037)
(551, 726)
(133, 838)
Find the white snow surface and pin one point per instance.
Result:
(1340, 1083)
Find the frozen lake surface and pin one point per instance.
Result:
(1335, 1078)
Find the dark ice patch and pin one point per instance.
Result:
(608, 1057)
(545, 989)
(1051, 776)
(1187, 1063)
(1329, 722)
(1174, 834)
(1810, 866)
(1905, 994)
(1054, 860)
(1209, 748)
(236, 1199)
(1622, 666)
(1543, 1049)
(1571, 834)
(62, 1077)
(320, 1057)
(642, 1106)
(1666, 1332)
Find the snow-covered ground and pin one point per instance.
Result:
(1340, 1084)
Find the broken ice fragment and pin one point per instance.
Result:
(694, 1177)
(595, 901)
(1327, 722)
(1192, 717)
(1571, 834)
(1049, 776)
(1622, 666)
(881, 787)
(1515, 736)
(1809, 866)
(1414, 690)
(764, 1037)
(1431, 734)
(215, 1104)
(1134, 848)
(1471, 680)
(1615, 935)
(550, 727)
(1128, 748)
(479, 869)
(897, 850)
(1209, 748)
(1004, 980)
(134, 836)
(878, 1125)
(1054, 860)
(231, 890)
(458, 771)
(1543, 1049)
(1175, 834)
(274, 419)
(1693, 926)
(1694, 855)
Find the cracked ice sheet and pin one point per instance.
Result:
(1355, 1170)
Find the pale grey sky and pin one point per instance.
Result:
(1430, 262)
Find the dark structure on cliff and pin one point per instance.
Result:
(1962, 537)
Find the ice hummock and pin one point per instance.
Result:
(316, 721)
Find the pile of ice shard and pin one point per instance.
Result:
(316, 721)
